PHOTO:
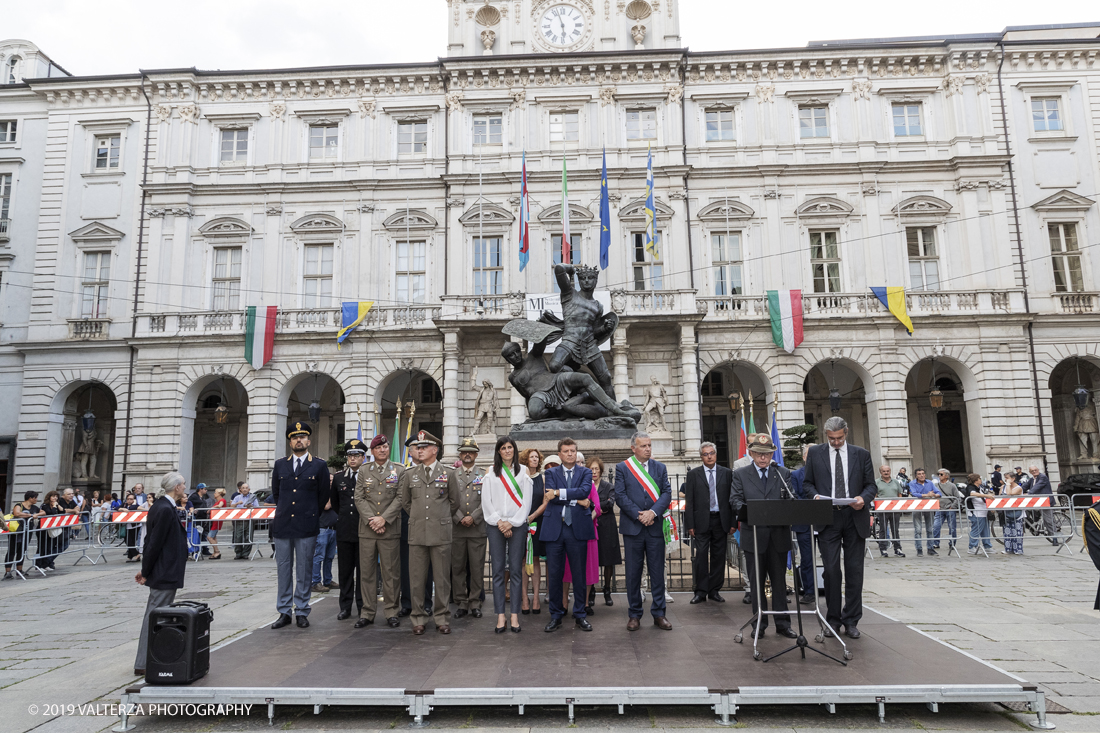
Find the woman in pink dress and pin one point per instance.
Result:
(592, 561)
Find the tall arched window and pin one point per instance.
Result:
(11, 75)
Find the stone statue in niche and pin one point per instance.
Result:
(86, 453)
(485, 409)
(656, 402)
(1087, 431)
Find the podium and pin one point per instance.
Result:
(784, 513)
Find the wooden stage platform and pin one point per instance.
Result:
(696, 663)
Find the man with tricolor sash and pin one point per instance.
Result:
(643, 493)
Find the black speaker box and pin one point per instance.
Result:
(179, 643)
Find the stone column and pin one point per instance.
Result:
(689, 397)
(450, 395)
(620, 377)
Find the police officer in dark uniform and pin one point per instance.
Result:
(347, 529)
(300, 491)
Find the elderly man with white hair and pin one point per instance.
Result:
(1040, 484)
(164, 558)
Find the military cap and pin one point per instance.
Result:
(424, 438)
(469, 445)
(355, 447)
(298, 428)
(761, 443)
(378, 440)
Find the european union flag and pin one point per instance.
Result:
(605, 216)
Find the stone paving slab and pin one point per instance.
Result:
(70, 638)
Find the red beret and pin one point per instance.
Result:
(377, 441)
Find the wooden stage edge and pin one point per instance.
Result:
(698, 662)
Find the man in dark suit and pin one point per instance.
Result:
(300, 491)
(761, 481)
(838, 470)
(164, 559)
(1040, 485)
(643, 494)
(566, 529)
(347, 529)
(708, 520)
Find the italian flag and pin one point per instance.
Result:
(785, 308)
(259, 334)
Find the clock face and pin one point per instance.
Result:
(562, 26)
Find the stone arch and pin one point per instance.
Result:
(410, 383)
(294, 398)
(64, 434)
(859, 395)
(952, 436)
(199, 433)
(1074, 455)
(721, 377)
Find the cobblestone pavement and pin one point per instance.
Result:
(69, 639)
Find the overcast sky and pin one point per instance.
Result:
(123, 36)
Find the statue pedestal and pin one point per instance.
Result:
(662, 446)
(485, 443)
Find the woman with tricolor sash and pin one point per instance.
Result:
(506, 503)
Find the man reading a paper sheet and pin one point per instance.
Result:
(842, 473)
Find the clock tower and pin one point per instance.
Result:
(499, 27)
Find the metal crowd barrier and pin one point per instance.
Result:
(885, 508)
(1038, 509)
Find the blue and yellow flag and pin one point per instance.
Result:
(894, 300)
(605, 217)
(352, 314)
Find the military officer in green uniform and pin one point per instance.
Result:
(468, 545)
(427, 496)
(378, 499)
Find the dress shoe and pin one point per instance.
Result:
(752, 632)
(332, 585)
(476, 613)
(499, 629)
(318, 588)
(826, 633)
(748, 598)
(393, 622)
(554, 625)
(583, 625)
(633, 624)
(459, 613)
(851, 631)
(343, 615)
(302, 621)
(787, 632)
(589, 611)
(514, 629)
(139, 672)
(418, 630)
(716, 597)
(662, 623)
(443, 629)
(807, 600)
(607, 597)
(360, 623)
(283, 620)
(698, 598)
(404, 612)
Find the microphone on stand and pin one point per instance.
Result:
(786, 493)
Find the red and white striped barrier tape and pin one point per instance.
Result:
(906, 505)
(1017, 502)
(128, 517)
(223, 515)
(59, 520)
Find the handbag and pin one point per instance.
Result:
(55, 532)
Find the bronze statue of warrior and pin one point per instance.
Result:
(584, 325)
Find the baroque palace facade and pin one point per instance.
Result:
(143, 212)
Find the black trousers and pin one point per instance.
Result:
(838, 536)
(773, 565)
(347, 569)
(710, 556)
(888, 522)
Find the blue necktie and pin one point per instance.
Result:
(566, 515)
